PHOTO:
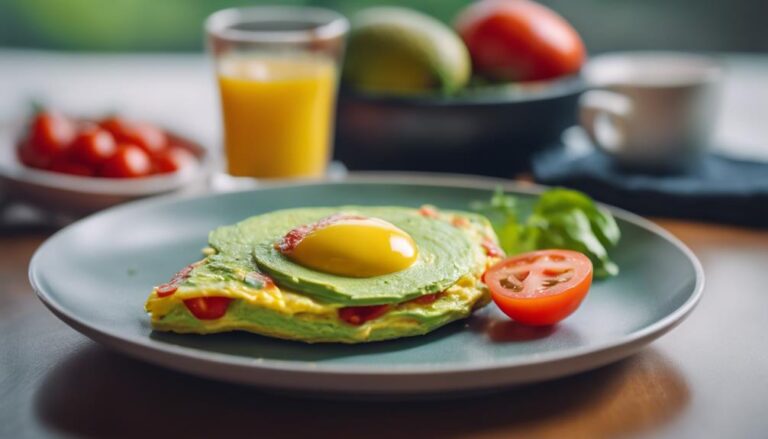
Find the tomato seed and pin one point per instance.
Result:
(511, 283)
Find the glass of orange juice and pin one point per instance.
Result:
(277, 70)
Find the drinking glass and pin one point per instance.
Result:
(277, 72)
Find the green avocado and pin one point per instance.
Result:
(445, 254)
(402, 51)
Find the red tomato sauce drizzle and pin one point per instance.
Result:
(428, 211)
(492, 249)
(259, 277)
(460, 222)
(295, 236)
(171, 286)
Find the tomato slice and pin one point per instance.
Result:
(357, 315)
(208, 308)
(541, 287)
(426, 299)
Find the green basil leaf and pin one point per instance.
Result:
(561, 218)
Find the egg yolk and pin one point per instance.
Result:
(356, 247)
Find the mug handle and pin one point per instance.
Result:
(604, 117)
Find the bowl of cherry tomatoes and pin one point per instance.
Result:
(78, 166)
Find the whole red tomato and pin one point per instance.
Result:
(519, 40)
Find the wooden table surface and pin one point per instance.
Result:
(707, 378)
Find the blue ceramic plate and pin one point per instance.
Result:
(96, 274)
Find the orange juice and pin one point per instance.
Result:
(278, 114)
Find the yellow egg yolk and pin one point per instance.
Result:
(356, 247)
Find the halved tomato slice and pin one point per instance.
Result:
(208, 308)
(541, 287)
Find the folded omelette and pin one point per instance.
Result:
(345, 274)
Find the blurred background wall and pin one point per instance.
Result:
(175, 25)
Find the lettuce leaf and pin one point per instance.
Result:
(561, 218)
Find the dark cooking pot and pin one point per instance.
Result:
(491, 130)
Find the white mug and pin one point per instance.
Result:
(654, 110)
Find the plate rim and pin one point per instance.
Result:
(147, 349)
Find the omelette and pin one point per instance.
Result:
(346, 274)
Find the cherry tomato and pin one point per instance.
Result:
(148, 137)
(29, 156)
(541, 287)
(357, 315)
(50, 135)
(519, 40)
(208, 308)
(172, 159)
(129, 161)
(93, 146)
(66, 166)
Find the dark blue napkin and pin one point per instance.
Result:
(716, 188)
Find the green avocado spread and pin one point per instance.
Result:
(445, 254)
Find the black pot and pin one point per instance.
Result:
(493, 131)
